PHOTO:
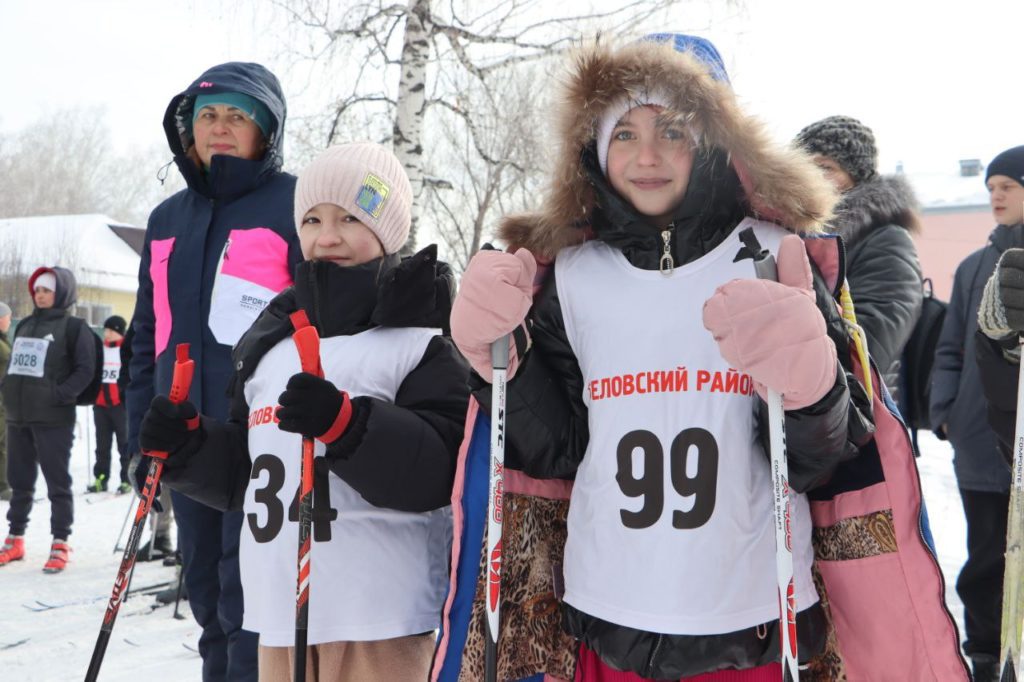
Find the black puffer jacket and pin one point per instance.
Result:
(49, 400)
(401, 455)
(875, 220)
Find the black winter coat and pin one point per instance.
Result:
(49, 400)
(957, 398)
(875, 220)
(999, 378)
(400, 456)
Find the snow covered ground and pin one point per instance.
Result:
(57, 644)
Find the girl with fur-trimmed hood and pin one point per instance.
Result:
(637, 506)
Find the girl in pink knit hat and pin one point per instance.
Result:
(387, 417)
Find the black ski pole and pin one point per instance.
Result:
(177, 597)
(180, 384)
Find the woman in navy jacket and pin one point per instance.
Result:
(215, 254)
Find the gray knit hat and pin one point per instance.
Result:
(846, 141)
(5, 309)
(365, 179)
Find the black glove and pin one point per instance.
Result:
(314, 407)
(171, 428)
(1011, 287)
(138, 470)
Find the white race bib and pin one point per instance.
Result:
(111, 364)
(28, 356)
(670, 520)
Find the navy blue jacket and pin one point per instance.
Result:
(957, 399)
(232, 223)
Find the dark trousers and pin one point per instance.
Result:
(980, 584)
(208, 540)
(29, 449)
(3, 448)
(111, 422)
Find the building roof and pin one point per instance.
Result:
(938, 190)
(101, 252)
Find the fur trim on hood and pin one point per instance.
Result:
(884, 200)
(781, 185)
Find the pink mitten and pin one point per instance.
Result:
(494, 296)
(774, 331)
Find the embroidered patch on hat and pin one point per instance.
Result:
(372, 195)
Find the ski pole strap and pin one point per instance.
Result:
(340, 422)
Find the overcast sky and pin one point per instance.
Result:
(936, 84)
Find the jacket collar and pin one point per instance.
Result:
(388, 292)
(228, 177)
(707, 215)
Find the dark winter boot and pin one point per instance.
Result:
(170, 595)
(986, 668)
(156, 548)
(173, 559)
(97, 486)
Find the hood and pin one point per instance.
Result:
(67, 289)
(884, 200)
(227, 175)
(778, 184)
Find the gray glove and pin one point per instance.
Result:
(1011, 288)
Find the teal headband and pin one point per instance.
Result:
(250, 106)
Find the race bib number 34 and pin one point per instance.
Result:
(28, 357)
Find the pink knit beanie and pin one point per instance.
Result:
(365, 179)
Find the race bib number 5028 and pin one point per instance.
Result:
(28, 356)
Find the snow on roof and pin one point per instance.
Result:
(85, 244)
(948, 189)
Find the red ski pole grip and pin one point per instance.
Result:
(307, 342)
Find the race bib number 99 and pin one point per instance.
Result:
(692, 463)
(28, 357)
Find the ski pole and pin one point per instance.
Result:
(307, 342)
(180, 385)
(124, 524)
(1013, 596)
(495, 519)
(177, 597)
(765, 267)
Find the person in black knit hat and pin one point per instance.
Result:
(109, 413)
(975, 371)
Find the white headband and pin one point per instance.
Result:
(47, 280)
(614, 113)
